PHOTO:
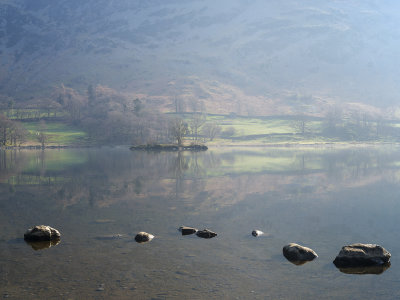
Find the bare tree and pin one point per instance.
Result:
(195, 123)
(4, 129)
(41, 134)
(179, 130)
(11, 132)
(211, 130)
(18, 134)
(301, 124)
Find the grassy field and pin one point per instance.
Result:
(58, 134)
(263, 130)
(278, 130)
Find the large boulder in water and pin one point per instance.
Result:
(298, 254)
(362, 255)
(42, 233)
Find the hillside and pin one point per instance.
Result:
(247, 57)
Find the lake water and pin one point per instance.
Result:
(320, 198)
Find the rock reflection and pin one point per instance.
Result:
(375, 270)
(298, 262)
(43, 244)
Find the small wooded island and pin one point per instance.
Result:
(169, 147)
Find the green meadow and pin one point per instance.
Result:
(285, 130)
(57, 133)
(263, 130)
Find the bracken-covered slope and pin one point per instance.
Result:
(243, 56)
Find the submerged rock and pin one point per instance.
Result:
(109, 237)
(206, 234)
(40, 245)
(298, 254)
(143, 237)
(187, 230)
(42, 233)
(361, 255)
(104, 221)
(257, 233)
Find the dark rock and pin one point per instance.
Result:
(143, 237)
(187, 230)
(42, 233)
(40, 245)
(169, 147)
(362, 255)
(298, 254)
(195, 148)
(257, 233)
(206, 234)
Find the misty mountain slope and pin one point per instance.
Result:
(339, 50)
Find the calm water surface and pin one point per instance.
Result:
(323, 199)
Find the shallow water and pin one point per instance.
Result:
(323, 199)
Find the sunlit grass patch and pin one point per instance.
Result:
(239, 130)
(57, 133)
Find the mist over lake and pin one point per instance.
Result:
(323, 199)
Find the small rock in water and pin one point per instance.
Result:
(42, 233)
(143, 237)
(298, 254)
(257, 233)
(206, 234)
(187, 230)
(362, 255)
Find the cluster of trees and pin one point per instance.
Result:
(356, 126)
(12, 133)
(347, 126)
(197, 130)
(107, 115)
(112, 117)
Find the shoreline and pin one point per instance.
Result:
(331, 145)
